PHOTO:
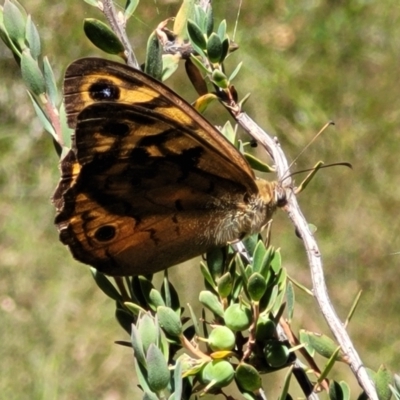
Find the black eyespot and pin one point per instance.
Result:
(104, 90)
(105, 233)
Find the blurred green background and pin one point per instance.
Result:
(305, 62)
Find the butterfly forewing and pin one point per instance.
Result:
(93, 80)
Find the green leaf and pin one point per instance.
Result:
(228, 131)
(170, 295)
(222, 30)
(290, 297)
(31, 74)
(4, 36)
(194, 319)
(158, 374)
(43, 117)
(141, 374)
(33, 38)
(14, 23)
(150, 396)
(102, 36)
(207, 275)
(257, 164)
(204, 101)
(186, 10)
(154, 61)
(151, 294)
(148, 330)
(353, 308)
(214, 48)
(169, 321)
(51, 86)
(155, 298)
(200, 18)
(137, 345)
(250, 243)
(225, 285)
(199, 64)
(260, 256)
(170, 63)
(335, 391)
(124, 318)
(264, 268)
(322, 344)
(395, 392)
(276, 262)
(196, 35)
(396, 379)
(328, 366)
(383, 378)
(209, 20)
(256, 286)
(178, 387)
(235, 71)
(211, 302)
(224, 54)
(285, 389)
(215, 262)
(345, 390)
(105, 285)
(94, 3)
(269, 299)
(220, 79)
(130, 8)
(134, 308)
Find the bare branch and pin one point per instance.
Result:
(313, 253)
(118, 26)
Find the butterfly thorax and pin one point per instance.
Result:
(250, 215)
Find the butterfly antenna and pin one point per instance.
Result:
(313, 171)
(311, 142)
(237, 20)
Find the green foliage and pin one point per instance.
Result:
(102, 36)
(231, 284)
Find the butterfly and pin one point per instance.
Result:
(149, 182)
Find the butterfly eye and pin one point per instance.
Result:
(105, 233)
(104, 90)
(281, 198)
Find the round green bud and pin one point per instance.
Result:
(219, 373)
(247, 377)
(265, 328)
(237, 317)
(276, 353)
(221, 338)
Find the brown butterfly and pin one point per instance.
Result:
(149, 183)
